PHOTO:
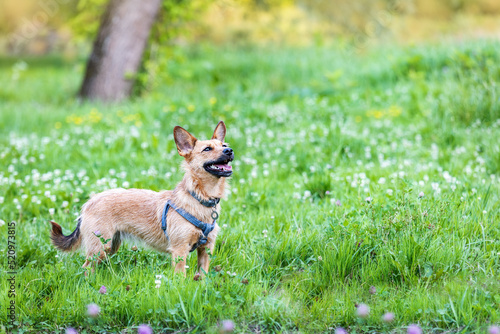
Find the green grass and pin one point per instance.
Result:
(316, 132)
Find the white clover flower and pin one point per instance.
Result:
(2, 222)
(64, 204)
(52, 211)
(224, 226)
(368, 199)
(159, 276)
(157, 282)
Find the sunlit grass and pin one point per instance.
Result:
(351, 171)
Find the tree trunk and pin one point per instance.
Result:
(118, 49)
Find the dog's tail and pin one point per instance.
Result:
(65, 243)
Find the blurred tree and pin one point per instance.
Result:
(118, 49)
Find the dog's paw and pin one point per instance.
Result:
(197, 277)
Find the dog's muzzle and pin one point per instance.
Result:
(221, 167)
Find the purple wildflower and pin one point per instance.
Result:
(362, 310)
(340, 330)
(414, 329)
(227, 326)
(71, 330)
(93, 310)
(388, 317)
(144, 329)
(493, 330)
(102, 290)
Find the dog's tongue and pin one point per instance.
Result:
(226, 168)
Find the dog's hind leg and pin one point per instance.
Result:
(94, 259)
(96, 251)
(115, 244)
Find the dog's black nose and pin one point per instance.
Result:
(228, 151)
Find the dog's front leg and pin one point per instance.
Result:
(179, 262)
(203, 260)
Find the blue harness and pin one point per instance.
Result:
(204, 227)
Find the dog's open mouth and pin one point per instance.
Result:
(219, 167)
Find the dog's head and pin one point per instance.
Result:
(211, 156)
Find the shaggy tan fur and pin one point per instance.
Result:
(138, 212)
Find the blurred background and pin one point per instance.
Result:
(40, 27)
(36, 27)
(69, 28)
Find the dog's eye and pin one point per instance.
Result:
(224, 145)
(206, 149)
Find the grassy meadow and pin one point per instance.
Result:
(353, 170)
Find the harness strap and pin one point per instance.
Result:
(204, 227)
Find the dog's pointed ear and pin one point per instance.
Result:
(184, 140)
(220, 131)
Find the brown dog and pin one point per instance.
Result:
(143, 213)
